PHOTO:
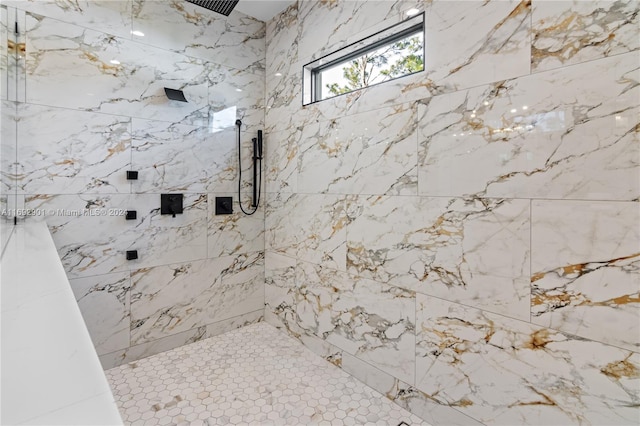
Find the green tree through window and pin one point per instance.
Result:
(400, 58)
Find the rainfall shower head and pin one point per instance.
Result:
(223, 7)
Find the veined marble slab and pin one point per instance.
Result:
(369, 153)
(63, 151)
(92, 234)
(237, 40)
(586, 269)
(8, 146)
(502, 371)
(315, 233)
(73, 67)
(368, 319)
(238, 232)
(570, 32)
(144, 350)
(109, 16)
(473, 251)
(183, 158)
(281, 161)
(104, 304)
(4, 52)
(170, 299)
(570, 133)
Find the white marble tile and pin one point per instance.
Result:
(12, 53)
(370, 320)
(62, 151)
(404, 394)
(236, 94)
(170, 299)
(167, 300)
(474, 252)
(254, 375)
(144, 350)
(109, 16)
(87, 244)
(237, 40)
(8, 146)
(71, 66)
(280, 293)
(92, 234)
(477, 42)
(570, 32)
(369, 153)
(282, 41)
(315, 233)
(163, 239)
(153, 347)
(568, 133)
(4, 52)
(104, 304)
(502, 371)
(224, 326)
(281, 160)
(586, 269)
(351, 21)
(235, 233)
(180, 157)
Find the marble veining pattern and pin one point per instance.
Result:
(255, 375)
(235, 233)
(104, 303)
(181, 158)
(62, 151)
(316, 233)
(570, 32)
(369, 153)
(472, 251)
(586, 270)
(144, 350)
(195, 31)
(563, 134)
(130, 87)
(371, 320)
(170, 299)
(536, 375)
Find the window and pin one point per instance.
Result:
(389, 54)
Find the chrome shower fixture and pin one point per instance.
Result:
(223, 7)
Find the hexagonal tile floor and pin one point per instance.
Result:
(255, 375)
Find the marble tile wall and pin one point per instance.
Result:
(465, 240)
(86, 103)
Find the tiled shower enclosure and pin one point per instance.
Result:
(463, 240)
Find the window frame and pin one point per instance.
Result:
(312, 71)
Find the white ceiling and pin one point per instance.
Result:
(263, 10)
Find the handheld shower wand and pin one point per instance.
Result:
(257, 156)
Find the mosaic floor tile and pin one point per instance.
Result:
(255, 375)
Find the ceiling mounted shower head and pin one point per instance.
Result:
(223, 7)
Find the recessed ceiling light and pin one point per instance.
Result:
(238, 90)
(525, 107)
(137, 33)
(412, 11)
(514, 110)
(115, 62)
(278, 74)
